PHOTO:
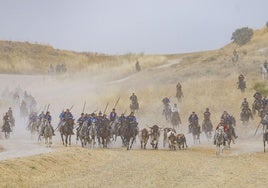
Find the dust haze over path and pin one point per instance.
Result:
(63, 91)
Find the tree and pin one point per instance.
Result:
(267, 24)
(242, 36)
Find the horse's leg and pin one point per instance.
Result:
(70, 139)
(66, 140)
(132, 143)
(81, 140)
(50, 141)
(62, 138)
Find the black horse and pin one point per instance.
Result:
(6, 129)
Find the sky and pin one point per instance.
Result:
(129, 26)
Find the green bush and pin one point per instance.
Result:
(242, 36)
(261, 88)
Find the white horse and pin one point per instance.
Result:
(263, 72)
(48, 134)
(219, 138)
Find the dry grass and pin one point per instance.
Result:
(208, 80)
(77, 167)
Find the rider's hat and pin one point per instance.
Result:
(100, 113)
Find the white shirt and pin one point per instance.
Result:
(175, 109)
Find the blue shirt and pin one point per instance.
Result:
(131, 119)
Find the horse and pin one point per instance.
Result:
(257, 106)
(179, 95)
(265, 138)
(67, 131)
(114, 129)
(6, 129)
(104, 134)
(245, 115)
(92, 133)
(196, 132)
(130, 133)
(33, 127)
(263, 71)
(175, 120)
(83, 134)
(207, 128)
(134, 106)
(167, 111)
(219, 140)
(48, 134)
(241, 85)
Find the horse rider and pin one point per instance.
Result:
(175, 109)
(228, 121)
(226, 117)
(257, 96)
(47, 118)
(165, 101)
(99, 122)
(244, 105)
(133, 98)
(10, 113)
(6, 122)
(207, 115)
(193, 120)
(32, 119)
(61, 116)
(225, 129)
(41, 116)
(131, 120)
(179, 89)
(245, 108)
(167, 106)
(122, 119)
(241, 78)
(67, 115)
(113, 115)
(80, 122)
(207, 120)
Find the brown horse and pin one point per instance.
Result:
(175, 120)
(179, 94)
(265, 139)
(6, 129)
(67, 131)
(104, 134)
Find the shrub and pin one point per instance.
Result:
(261, 88)
(242, 36)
